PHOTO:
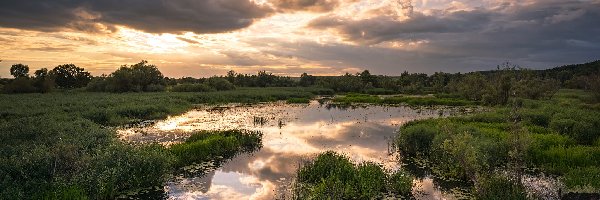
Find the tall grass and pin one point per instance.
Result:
(206, 145)
(334, 176)
(560, 140)
(62, 144)
(405, 100)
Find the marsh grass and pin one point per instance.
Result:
(62, 145)
(333, 176)
(206, 145)
(403, 100)
(559, 140)
(298, 100)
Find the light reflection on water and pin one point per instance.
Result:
(292, 133)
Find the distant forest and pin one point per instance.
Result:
(487, 86)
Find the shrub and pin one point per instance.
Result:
(220, 84)
(20, 85)
(371, 180)
(187, 87)
(400, 182)
(416, 140)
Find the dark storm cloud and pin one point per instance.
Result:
(305, 5)
(384, 28)
(539, 35)
(156, 16)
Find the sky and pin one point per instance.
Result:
(202, 38)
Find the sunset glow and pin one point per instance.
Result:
(322, 37)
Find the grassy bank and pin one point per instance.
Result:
(334, 176)
(403, 100)
(60, 145)
(558, 136)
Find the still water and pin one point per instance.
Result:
(292, 134)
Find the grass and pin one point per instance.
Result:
(298, 100)
(334, 176)
(403, 100)
(559, 140)
(206, 145)
(62, 144)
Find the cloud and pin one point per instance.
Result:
(154, 16)
(539, 34)
(418, 26)
(305, 5)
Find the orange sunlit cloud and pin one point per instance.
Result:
(322, 37)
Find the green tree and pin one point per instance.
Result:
(219, 83)
(19, 70)
(140, 77)
(71, 76)
(43, 80)
(231, 76)
(471, 86)
(307, 80)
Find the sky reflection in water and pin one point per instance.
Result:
(292, 133)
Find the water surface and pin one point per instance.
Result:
(292, 134)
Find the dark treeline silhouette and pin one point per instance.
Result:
(490, 87)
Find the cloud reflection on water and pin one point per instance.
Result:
(292, 133)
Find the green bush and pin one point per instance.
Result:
(220, 84)
(20, 85)
(400, 182)
(371, 180)
(416, 140)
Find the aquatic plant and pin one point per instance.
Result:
(333, 176)
(206, 145)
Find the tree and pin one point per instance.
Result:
(471, 86)
(71, 76)
(19, 70)
(139, 77)
(231, 76)
(43, 80)
(307, 80)
(220, 83)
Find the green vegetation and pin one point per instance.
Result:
(189, 87)
(557, 136)
(298, 100)
(62, 145)
(140, 77)
(334, 176)
(206, 145)
(57, 145)
(404, 100)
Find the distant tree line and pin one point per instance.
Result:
(491, 87)
(66, 76)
